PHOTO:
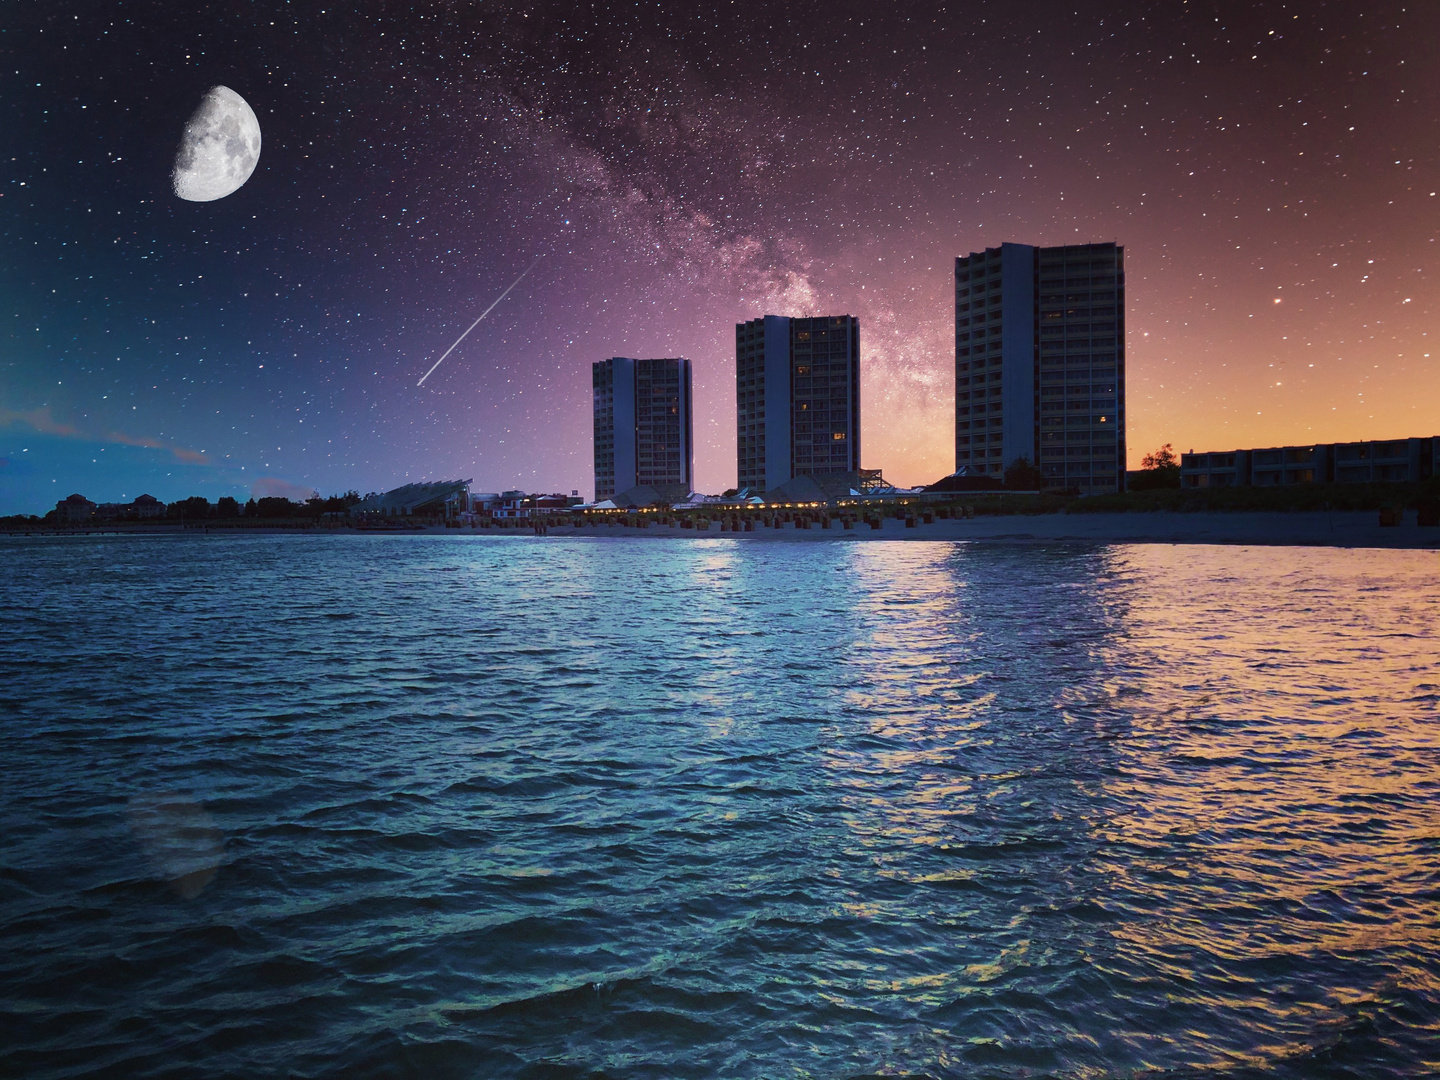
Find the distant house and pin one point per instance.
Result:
(142, 509)
(511, 504)
(646, 495)
(830, 488)
(552, 504)
(75, 509)
(446, 499)
(147, 506)
(967, 478)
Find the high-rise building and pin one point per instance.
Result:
(1040, 363)
(644, 433)
(797, 393)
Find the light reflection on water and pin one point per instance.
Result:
(707, 808)
(1278, 787)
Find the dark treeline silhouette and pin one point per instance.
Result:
(195, 510)
(198, 508)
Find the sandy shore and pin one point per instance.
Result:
(1337, 529)
(1351, 529)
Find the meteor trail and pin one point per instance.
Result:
(476, 323)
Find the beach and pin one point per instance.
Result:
(1351, 529)
(1345, 529)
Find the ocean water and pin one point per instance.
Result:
(446, 806)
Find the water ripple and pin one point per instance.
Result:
(459, 806)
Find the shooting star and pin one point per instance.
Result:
(476, 323)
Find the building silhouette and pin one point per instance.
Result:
(1376, 461)
(76, 508)
(434, 499)
(797, 392)
(1040, 363)
(644, 432)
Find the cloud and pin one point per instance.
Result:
(42, 421)
(39, 419)
(136, 440)
(274, 487)
(189, 457)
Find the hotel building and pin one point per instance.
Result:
(1040, 363)
(644, 432)
(1377, 461)
(797, 393)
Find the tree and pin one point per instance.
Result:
(1022, 475)
(195, 508)
(339, 504)
(226, 507)
(1158, 470)
(1164, 458)
(273, 506)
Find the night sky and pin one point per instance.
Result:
(1271, 169)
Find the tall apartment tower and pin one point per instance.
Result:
(797, 392)
(1040, 363)
(644, 432)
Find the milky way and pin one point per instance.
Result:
(1270, 169)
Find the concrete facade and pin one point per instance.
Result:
(1374, 462)
(797, 394)
(1040, 363)
(644, 426)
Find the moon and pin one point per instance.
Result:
(219, 149)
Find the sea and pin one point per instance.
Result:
(439, 805)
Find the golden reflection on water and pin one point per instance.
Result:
(1284, 750)
(1251, 771)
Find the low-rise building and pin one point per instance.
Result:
(517, 505)
(446, 499)
(146, 507)
(75, 509)
(1376, 461)
(511, 505)
(1276, 466)
(555, 503)
(643, 496)
(1381, 462)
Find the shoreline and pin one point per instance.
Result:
(1345, 529)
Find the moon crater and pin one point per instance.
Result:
(219, 149)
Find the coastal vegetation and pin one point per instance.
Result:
(1158, 470)
(198, 510)
(273, 512)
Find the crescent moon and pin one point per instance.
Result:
(219, 149)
